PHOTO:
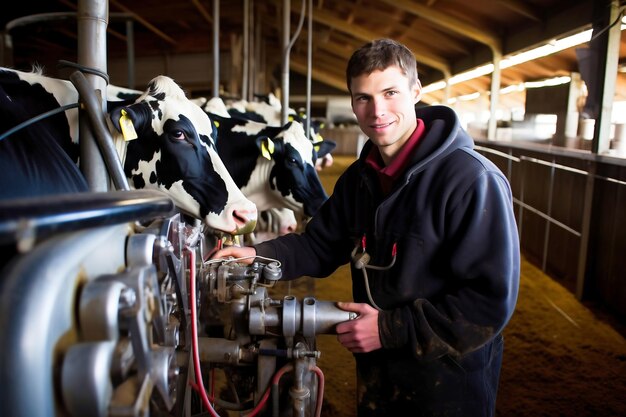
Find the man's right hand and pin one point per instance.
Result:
(247, 253)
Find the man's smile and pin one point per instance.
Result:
(381, 125)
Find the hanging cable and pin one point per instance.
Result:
(616, 21)
(37, 118)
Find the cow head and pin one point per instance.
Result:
(272, 165)
(174, 152)
(293, 173)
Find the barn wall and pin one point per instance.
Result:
(192, 71)
(550, 188)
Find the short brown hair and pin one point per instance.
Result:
(380, 54)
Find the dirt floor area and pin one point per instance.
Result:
(562, 358)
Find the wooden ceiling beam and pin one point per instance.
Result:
(417, 31)
(144, 22)
(522, 8)
(300, 66)
(450, 23)
(203, 11)
(330, 20)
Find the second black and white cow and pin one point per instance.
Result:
(268, 111)
(174, 151)
(273, 166)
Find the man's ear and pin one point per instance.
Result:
(417, 89)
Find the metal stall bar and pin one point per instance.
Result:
(287, 45)
(285, 64)
(583, 233)
(216, 48)
(92, 31)
(520, 201)
(553, 166)
(309, 70)
(130, 52)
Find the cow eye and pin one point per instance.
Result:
(293, 161)
(178, 135)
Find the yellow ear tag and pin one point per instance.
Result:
(318, 138)
(217, 124)
(128, 130)
(267, 149)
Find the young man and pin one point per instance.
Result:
(428, 225)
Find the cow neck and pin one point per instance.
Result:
(258, 189)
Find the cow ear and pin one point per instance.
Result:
(126, 124)
(266, 146)
(324, 147)
(123, 123)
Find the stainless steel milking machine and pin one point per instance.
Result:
(110, 314)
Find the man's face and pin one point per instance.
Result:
(384, 105)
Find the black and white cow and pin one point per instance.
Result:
(273, 165)
(174, 151)
(268, 110)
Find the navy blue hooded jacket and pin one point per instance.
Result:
(454, 283)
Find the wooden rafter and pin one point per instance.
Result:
(338, 24)
(448, 22)
(144, 22)
(522, 8)
(203, 11)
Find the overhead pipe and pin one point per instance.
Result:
(6, 58)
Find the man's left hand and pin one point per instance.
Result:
(361, 334)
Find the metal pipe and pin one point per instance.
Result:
(246, 49)
(284, 98)
(252, 45)
(287, 45)
(6, 51)
(309, 64)
(39, 17)
(216, 48)
(92, 25)
(496, 76)
(103, 137)
(130, 53)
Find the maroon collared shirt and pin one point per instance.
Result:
(390, 173)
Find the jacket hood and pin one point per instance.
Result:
(443, 135)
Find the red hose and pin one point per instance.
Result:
(320, 390)
(194, 333)
(286, 368)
